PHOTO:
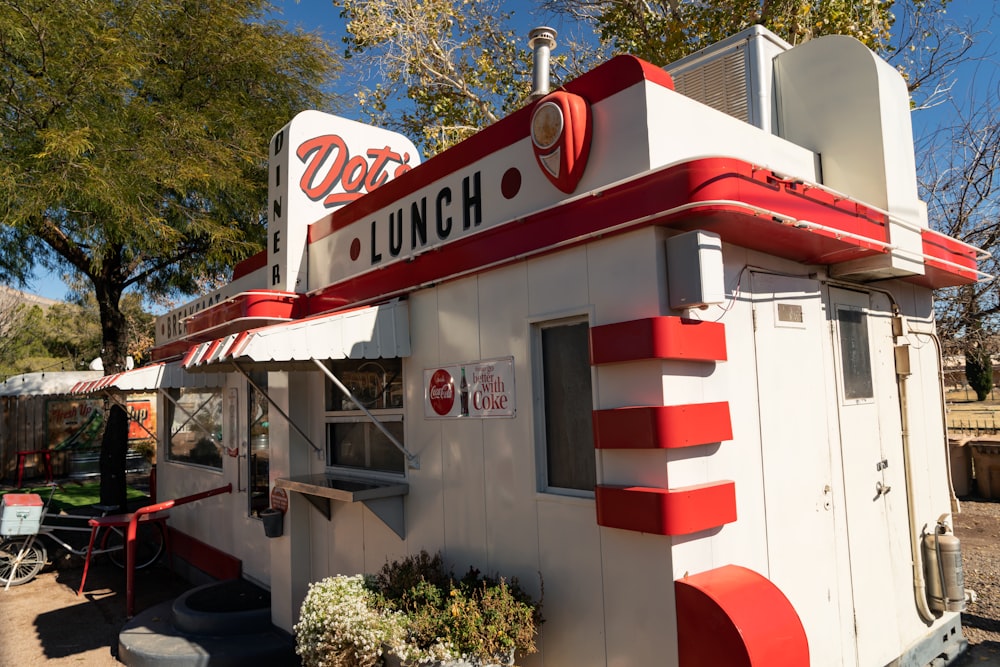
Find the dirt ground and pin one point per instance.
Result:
(45, 623)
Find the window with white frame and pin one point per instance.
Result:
(564, 401)
(353, 440)
(196, 426)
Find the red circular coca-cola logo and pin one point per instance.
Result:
(441, 391)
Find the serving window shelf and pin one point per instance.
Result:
(383, 498)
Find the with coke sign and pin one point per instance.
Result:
(479, 389)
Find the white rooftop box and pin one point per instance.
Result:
(734, 76)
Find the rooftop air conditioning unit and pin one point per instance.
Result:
(734, 76)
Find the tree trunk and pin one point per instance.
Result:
(114, 447)
(114, 348)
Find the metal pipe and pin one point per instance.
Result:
(541, 41)
(130, 533)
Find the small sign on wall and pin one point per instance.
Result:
(473, 389)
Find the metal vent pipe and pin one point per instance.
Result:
(541, 40)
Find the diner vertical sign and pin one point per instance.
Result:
(473, 389)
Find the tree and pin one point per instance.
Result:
(447, 68)
(133, 140)
(457, 64)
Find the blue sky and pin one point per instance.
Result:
(320, 15)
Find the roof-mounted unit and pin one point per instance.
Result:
(734, 76)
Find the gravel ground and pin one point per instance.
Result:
(978, 527)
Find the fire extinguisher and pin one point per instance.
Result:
(943, 570)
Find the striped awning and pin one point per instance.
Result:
(371, 332)
(147, 379)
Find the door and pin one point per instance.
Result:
(797, 453)
(872, 460)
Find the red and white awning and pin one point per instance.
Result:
(146, 379)
(372, 332)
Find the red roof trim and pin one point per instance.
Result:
(250, 265)
(731, 197)
(600, 83)
(259, 306)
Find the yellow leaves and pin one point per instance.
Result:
(64, 144)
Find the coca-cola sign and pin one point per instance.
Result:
(441, 392)
(473, 389)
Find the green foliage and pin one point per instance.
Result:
(133, 139)
(664, 32)
(446, 68)
(979, 372)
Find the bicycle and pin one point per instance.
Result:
(22, 557)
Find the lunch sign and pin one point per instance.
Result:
(472, 389)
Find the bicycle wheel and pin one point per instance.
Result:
(148, 544)
(19, 565)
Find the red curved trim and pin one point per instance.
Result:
(735, 617)
(678, 511)
(686, 196)
(600, 83)
(658, 338)
(250, 264)
(243, 311)
(663, 426)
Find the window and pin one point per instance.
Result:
(196, 426)
(353, 440)
(855, 354)
(259, 456)
(566, 406)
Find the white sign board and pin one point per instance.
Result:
(473, 389)
(319, 163)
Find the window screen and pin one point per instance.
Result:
(854, 353)
(568, 407)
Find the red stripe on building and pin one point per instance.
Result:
(658, 338)
(662, 427)
(679, 511)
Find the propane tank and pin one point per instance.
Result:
(943, 571)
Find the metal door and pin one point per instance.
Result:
(801, 505)
(872, 461)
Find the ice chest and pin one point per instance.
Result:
(20, 513)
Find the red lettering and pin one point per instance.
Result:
(482, 401)
(329, 164)
(321, 148)
(354, 173)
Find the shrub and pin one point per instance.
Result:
(417, 610)
(341, 626)
(979, 372)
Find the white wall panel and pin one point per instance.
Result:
(424, 506)
(639, 607)
(627, 277)
(558, 283)
(570, 562)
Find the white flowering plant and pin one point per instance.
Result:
(416, 613)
